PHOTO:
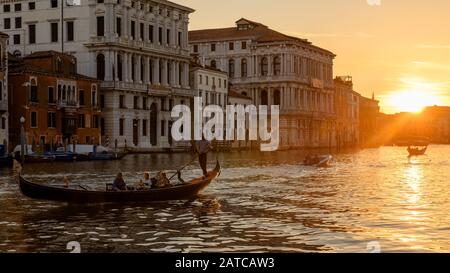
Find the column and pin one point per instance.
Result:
(146, 70)
(125, 67)
(156, 79)
(164, 73)
(138, 68)
(115, 74)
(108, 66)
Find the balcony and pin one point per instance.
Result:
(69, 107)
(3, 106)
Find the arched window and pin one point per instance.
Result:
(59, 92)
(213, 64)
(276, 97)
(264, 98)
(231, 68)
(101, 67)
(94, 95)
(264, 66)
(244, 68)
(64, 96)
(119, 67)
(276, 66)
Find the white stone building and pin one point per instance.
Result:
(276, 69)
(138, 48)
(211, 84)
(4, 90)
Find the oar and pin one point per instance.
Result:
(182, 168)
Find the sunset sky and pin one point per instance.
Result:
(400, 49)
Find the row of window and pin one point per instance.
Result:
(200, 79)
(148, 8)
(133, 29)
(51, 120)
(144, 123)
(54, 32)
(18, 7)
(231, 46)
(63, 95)
(144, 105)
(101, 66)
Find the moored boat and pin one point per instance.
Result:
(321, 161)
(184, 191)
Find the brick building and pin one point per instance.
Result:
(58, 104)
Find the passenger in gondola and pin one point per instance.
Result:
(119, 184)
(160, 181)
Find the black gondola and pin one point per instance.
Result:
(417, 151)
(184, 191)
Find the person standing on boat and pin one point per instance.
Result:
(203, 147)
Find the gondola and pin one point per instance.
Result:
(417, 151)
(321, 162)
(184, 191)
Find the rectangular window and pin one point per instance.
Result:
(54, 32)
(168, 36)
(141, 31)
(133, 30)
(136, 102)
(119, 26)
(32, 34)
(102, 101)
(100, 26)
(7, 23)
(31, 6)
(54, 3)
(3, 123)
(144, 103)
(163, 127)
(6, 8)
(213, 47)
(144, 127)
(51, 120)
(180, 37)
(150, 33)
(81, 97)
(81, 121)
(244, 45)
(195, 48)
(121, 126)
(122, 101)
(95, 122)
(18, 7)
(34, 122)
(18, 21)
(231, 46)
(51, 94)
(16, 39)
(160, 35)
(70, 32)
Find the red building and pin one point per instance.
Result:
(58, 104)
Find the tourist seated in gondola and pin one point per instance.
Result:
(160, 181)
(119, 184)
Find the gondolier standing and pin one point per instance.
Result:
(203, 146)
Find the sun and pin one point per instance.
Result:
(412, 101)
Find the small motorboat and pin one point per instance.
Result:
(417, 151)
(184, 191)
(39, 158)
(106, 156)
(321, 161)
(62, 156)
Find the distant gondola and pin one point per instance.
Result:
(416, 151)
(179, 192)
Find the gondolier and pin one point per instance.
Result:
(203, 146)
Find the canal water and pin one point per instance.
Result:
(373, 199)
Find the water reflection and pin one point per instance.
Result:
(262, 202)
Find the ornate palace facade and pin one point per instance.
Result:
(276, 69)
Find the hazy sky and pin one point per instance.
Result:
(399, 49)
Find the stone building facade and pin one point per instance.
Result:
(347, 110)
(138, 49)
(58, 104)
(276, 69)
(4, 91)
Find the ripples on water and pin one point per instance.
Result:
(262, 202)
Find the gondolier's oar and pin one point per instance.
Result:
(182, 168)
